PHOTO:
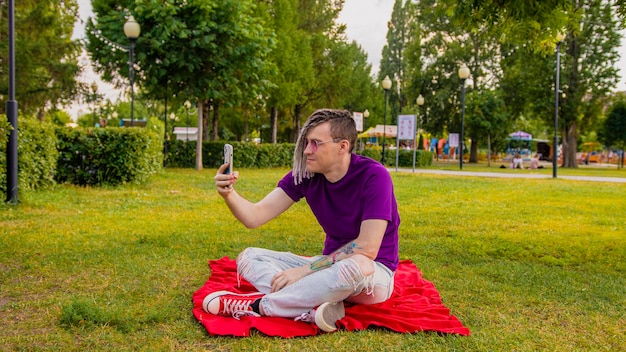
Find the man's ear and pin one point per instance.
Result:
(345, 145)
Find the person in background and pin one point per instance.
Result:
(353, 200)
(517, 162)
(534, 162)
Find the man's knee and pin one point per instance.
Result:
(365, 263)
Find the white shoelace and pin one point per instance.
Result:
(232, 306)
(304, 317)
(244, 313)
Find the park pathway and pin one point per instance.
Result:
(509, 175)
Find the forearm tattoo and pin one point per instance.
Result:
(334, 257)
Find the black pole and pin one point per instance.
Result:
(461, 144)
(12, 180)
(165, 132)
(187, 134)
(131, 73)
(384, 127)
(555, 151)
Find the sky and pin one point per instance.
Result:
(366, 22)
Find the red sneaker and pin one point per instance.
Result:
(227, 303)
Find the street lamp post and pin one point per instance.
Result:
(386, 87)
(94, 89)
(555, 148)
(132, 31)
(419, 101)
(187, 106)
(11, 113)
(366, 115)
(464, 72)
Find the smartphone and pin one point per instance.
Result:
(228, 158)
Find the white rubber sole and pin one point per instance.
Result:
(327, 314)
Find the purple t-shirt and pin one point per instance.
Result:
(365, 192)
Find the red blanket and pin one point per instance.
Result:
(414, 306)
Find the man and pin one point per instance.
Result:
(352, 198)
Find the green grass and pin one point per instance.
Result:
(526, 264)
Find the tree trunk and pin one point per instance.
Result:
(199, 139)
(216, 115)
(569, 148)
(297, 122)
(273, 124)
(489, 150)
(245, 127)
(206, 115)
(473, 152)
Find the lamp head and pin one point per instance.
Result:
(420, 100)
(386, 83)
(132, 28)
(464, 72)
(366, 113)
(187, 104)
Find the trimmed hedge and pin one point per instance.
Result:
(37, 154)
(252, 155)
(246, 155)
(405, 157)
(107, 156)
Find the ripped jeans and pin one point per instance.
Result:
(342, 281)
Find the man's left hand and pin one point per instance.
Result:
(288, 277)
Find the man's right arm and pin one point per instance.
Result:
(250, 214)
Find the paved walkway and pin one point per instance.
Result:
(509, 175)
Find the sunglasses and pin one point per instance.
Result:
(314, 143)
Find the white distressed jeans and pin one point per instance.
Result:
(342, 281)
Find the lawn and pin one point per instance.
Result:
(525, 264)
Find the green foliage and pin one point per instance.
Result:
(246, 155)
(201, 50)
(405, 157)
(107, 156)
(181, 154)
(46, 55)
(5, 131)
(59, 117)
(252, 155)
(37, 154)
(613, 131)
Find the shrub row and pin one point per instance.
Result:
(48, 154)
(107, 156)
(112, 156)
(37, 154)
(246, 155)
(251, 155)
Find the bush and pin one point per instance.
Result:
(107, 156)
(405, 157)
(37, 154)
(247, 155)
(251, 155)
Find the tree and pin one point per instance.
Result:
(46, 57)
(212, 52)
(587, 71)
(613, 131)
(292, 59)
(487, 119)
